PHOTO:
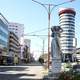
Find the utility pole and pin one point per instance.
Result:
(43, 48)
(49, 8)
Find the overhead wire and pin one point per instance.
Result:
(40, 30)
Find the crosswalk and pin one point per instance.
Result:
(12, 66)
(21, 72)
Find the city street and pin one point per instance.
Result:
(39, 39)
(26, 72)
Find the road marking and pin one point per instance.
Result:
(13, 72)
(30, 77)
(9, 72)
(14, 66)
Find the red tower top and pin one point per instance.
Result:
(67, 10)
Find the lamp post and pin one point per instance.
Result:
(49, 8)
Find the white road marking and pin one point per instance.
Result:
(15, 66)
(30, 77)
(13, 72)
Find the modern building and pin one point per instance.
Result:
(4, 34)
(14, 46)
(67, 23)
(17, 28)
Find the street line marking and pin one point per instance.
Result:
(14, 66)
(30, 77)
(12, 72)
(9, 72)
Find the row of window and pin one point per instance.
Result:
(3, 43)
(68, 19)
(67, 33)
(3, 25)
(67, 45)
(67, 25)
(14, 50)
(67, 36)
(13, 39)
(67, 49)
(63, 20)
(12, 35)
(71, 15)
(68, 28)
(66, 39)
(13, 45)
(14, 42)
(62, 17)
(3, 38)
(67, 22)
(66, 42)
(3, 34)
(4, 30)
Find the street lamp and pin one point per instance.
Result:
(49, 8)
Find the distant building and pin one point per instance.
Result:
(17, 28)
(28, 43)
(4, 34)
(24, 55)
(67, 23)
(25, 50)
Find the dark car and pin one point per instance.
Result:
(76, 68)
(10, 60)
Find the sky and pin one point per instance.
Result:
(35, 19)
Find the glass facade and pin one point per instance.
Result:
(4, 34)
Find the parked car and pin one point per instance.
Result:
(76, 68)
(10, 60)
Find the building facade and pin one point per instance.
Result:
(17, 28)
(4, 34)
(67, 23)
(25, 50)
(14, 46)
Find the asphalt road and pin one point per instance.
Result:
(27, 72)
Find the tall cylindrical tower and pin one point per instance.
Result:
(67, 23)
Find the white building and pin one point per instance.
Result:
(67, 23)
(17, 28)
